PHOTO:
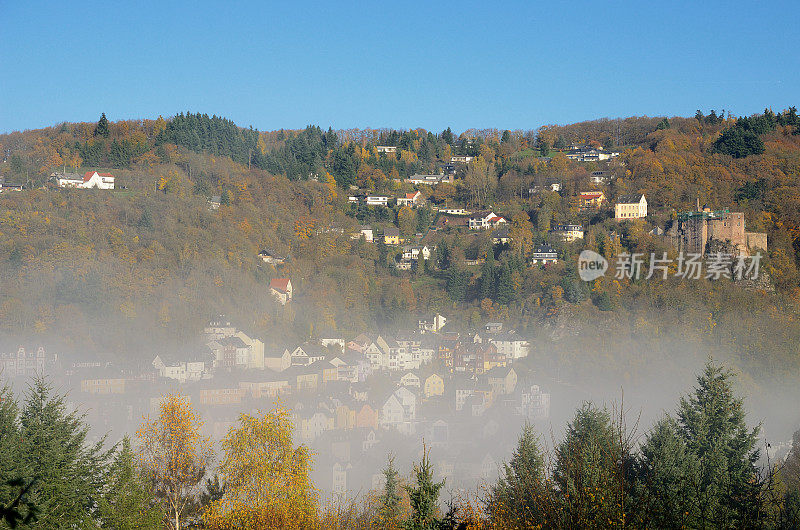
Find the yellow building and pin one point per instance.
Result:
(103, 386)
(434, 386)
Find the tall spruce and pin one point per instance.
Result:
(424, 497)
(128, 502)
(390, 511)
(520, 498)
(101, 129)
(68, 472)
(712, 424)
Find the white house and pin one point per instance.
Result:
(630, 207)
(415, 252)
(386, 148)
(377, 200)
(568, 233)
(544, 254)
(485, 220)
(90, 179)
(410, 199)
(281, 289)
(399, 411)
(511, 345)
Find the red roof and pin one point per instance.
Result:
(411, 195)
(496, 219)
(88, 175)
(591, 194)
(279, 284)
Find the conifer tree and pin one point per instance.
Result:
(424, 497)
(68, 472)
(389, 515)
(520, 497)
(128, 501)
(713, 427)
(102, 127)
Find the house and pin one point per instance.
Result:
(503, 380)
(365, 232)
(591, 199)
(90, 179)
(278, 359)
(511, 345)
(391, 236)
(399, 411)
(630, 207)
(104, 382)
(281, 289)
(534, 403)
(411, 199)
(386, 148)
(415, 252)
(460, 159)
(568, 233)
(599, 177)
(484, 220)
(311, 425)
(493, 327)
(269, 385)
(377, 200)
(7, 186)
(433, 324)
(455, 211)
(170, 369)
(273, 258)
(410, 380)
(434, 386)
(586, 153)
(307, 354)
(429, 180)
(544, 254)
(367, 417)
(500, 236)
(22, 363)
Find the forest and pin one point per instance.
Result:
(699, 467)
(115, 275)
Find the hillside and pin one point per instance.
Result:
(120, 274)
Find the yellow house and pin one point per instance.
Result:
(345, 417)
(391, 236)
(434, 386)
(630, 207)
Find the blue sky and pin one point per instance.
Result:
(402, 64)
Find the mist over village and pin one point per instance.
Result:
(228, 301)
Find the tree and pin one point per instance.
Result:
(390, 510)
(457, 284)
(520, 497)
(666, 473)
(589, 471)
(174, 455)
(521, 234)
(424, 497)
(128, 501)
(713, 428)
(505, 285)
(405, 221)
(102, 127)
(663, 124)
(738, 143)
(265, 477)
(68, 473)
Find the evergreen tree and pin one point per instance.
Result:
(389, 515)
(663, 124)
(488, 275)
(665, 480)
(101, 129)
(589, 471)
(457, 284)
(128, 501)
(424, 497)
(68, 473)
(520, 497)
(714, 430)
(505, 285)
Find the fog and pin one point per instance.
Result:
(470, 430)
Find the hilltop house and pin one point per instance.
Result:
(630, 207)
(386, 148)
(281, 289)
(568, 233)
(411, 199)
(591, 199)
(544, 254)
(90, 179)
(429, 180)
(273, 258)
(377, 200)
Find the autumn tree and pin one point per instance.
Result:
(521, 234)
(405, 221)
(174, 455)
(265, 477)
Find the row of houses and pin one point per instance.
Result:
(413, 199)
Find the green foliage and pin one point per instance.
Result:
(424, 497)
(128, 502)
(214, 135)
(102, 127)
(390, 510)
(663, 124)
(457, 280)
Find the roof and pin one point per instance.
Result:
(544, 249)
(88, 175)
(592, 194)
(391, 231)
(280, 284)
(630, 199)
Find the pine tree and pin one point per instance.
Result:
(713, 427)
(505, 286)
(128, 501)
(520, 497)
(101, 129)
(389, 515)
(68, 473)
(424, 497)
